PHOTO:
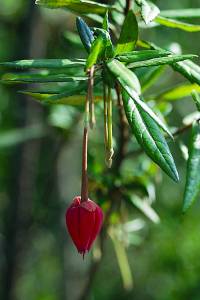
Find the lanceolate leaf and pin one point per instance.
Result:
(149, 136)
(160, 61)
(177, 24)
(130, 83)
(178, 92)
(149, 11)
(146, 108)
(97, 49)
(192, 187)
(145, 208)
(142, 55)
(86, 35)
(70, 91)
(189, 70)
(196, 97)
(151, 77)
(124, 75)
(181, 13)
(78, 6)
(75, 100)
(129, 34)
(38, 78)
(43, 64)
(105, 25)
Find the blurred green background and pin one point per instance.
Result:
(40, 161)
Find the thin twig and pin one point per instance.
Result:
(127, 7)
(84, 186)
(184, 128)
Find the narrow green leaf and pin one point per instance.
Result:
(77, 6)
(38, 78)
(151, 77)
(81, 87)
(123, 74)
(189, 70)
(196, 97)
(178, 92)
(170, 59)
(129, 34)
(105, 25)
(130, 83)
(192, 187)
(75, 100)
(146, 108)
(97, 49)
(141, 55)
(86, 35)
(43, 64)
(177, 24)
(149, 10)
(149, 136)
(145, 208)
(181, 13)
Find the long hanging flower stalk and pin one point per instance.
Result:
(84, 217)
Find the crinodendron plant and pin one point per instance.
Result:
(118, 69)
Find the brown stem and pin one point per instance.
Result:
(84, 186)
(127, 7)
(184, 128)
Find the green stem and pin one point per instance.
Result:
(91, 98)
(105, 115)
(110, 151)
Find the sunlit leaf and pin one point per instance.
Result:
(145, 208)
(142, 55)
(146, 108)
(129, 34)
(43, 63)
(123, 74)
(181, 13)
(75, 100)
(149, 136)
(97, 49)
(189, 70)
(192, 187)
(105, 25)
(177, 24)
(130, 83)
(149, 10)
(151, 77)
(78, 6)
(178, 92)
(196, 96)
(39, 78)
(170, 59)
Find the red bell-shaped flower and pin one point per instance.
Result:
(84, 221)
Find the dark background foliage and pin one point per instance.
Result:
(40, 165)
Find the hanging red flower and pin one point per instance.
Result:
(84, 220)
